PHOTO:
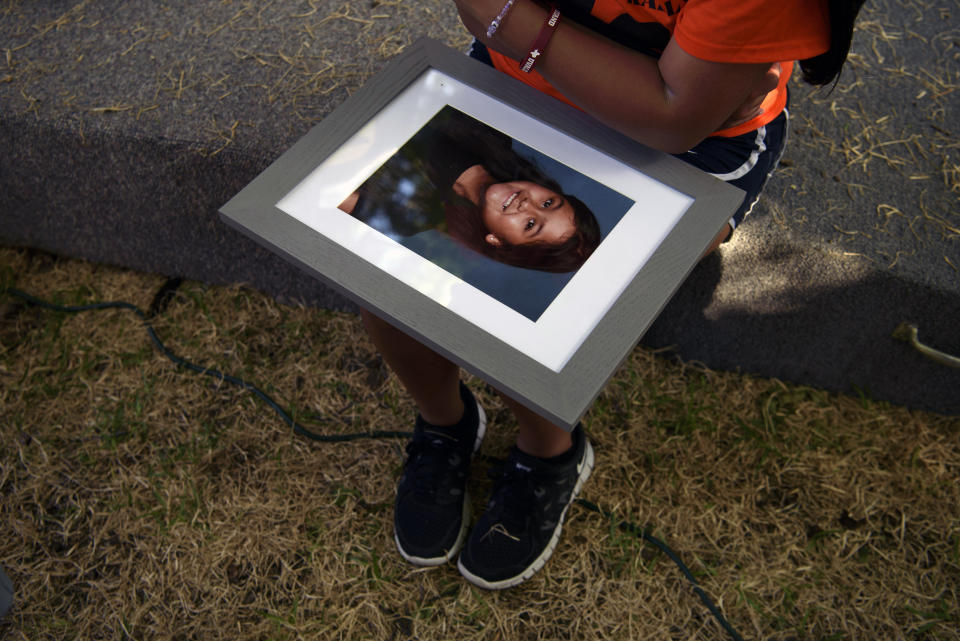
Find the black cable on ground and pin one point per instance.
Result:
(159, 303)
(209, 371)
(639, 532)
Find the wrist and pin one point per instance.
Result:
(539, 46)
(495, 23)
(518, 29)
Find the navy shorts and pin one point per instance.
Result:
(744, 161)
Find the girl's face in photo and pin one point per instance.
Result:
(521, 212)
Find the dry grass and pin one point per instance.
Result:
(143, 501)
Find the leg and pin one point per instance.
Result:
(521, 526)
(518, 532)
(432, 509)
(432, 380)
(718, 240)
(536, 435)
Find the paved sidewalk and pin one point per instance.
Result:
(125, 125)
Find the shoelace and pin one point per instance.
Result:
(431, 463)
(513, 495)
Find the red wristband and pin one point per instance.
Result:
(536, 49)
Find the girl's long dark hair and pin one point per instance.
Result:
(825, 68)
(465, 224)
(465, 219)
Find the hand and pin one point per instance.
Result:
(750, 108)
(350, 203)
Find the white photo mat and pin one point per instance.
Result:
(553, 338)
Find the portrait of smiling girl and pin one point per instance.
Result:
(461, 178)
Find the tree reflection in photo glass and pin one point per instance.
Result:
(497, 214)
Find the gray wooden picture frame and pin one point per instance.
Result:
(560, 396)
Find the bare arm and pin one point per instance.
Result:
(670, 104)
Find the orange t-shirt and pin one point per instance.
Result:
(747, 31)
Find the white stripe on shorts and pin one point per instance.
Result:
(743, 169)
(760, 146)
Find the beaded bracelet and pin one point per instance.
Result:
(495, 24)
(536, 49)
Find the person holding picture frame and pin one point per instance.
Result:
(705, 80)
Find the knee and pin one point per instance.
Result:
(718, 240)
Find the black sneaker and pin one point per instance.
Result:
(519, 531)
(432, 511)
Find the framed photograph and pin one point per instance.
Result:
(506, 230)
